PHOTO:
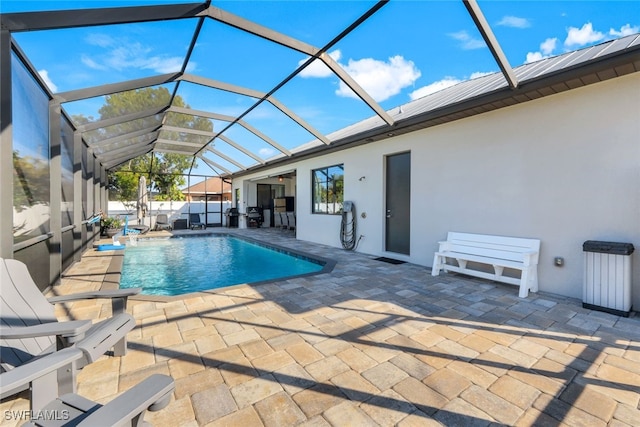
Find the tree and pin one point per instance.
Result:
(165, 170)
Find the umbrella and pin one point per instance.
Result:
(142, 199)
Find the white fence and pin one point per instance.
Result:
(174, 210)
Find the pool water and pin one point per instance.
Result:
(178, 266)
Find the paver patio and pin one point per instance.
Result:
(368, 344)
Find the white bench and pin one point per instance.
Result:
(499, 251)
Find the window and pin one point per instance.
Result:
(31, 189)
(328, 190)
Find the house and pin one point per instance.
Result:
(547, 150)
(557, 159)
(210, 189)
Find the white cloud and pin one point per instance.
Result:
(466, 41)
(479, 74)
(442, 84)
(548, 46)
(380, 79)
(91, 63)
(625, 30)
(434, 87)
(582, 36)
(100, 39)
(534, 56)
(266, 152)
(164, 65)
(546, 49)
(318, 68)
(47, 80)
(514, 22)
(121, 54)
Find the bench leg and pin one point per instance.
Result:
(524, 283)
(533, 280)
(435, 270)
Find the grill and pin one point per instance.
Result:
(232, 217)
(254, 217)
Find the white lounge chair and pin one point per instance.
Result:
(162, 222)
(128, 409)
(30, 329)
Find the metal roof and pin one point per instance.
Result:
(535, 80)
(154, 133)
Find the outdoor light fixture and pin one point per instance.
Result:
(280, 178)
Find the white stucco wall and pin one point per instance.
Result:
(563, 169)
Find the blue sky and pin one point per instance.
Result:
(406, 50)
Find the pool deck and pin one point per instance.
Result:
(369, 344)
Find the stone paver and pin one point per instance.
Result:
(279, 410)
(367, 344)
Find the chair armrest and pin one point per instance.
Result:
(153, 394)
(25, 374)
(74, 329)
(118, 293)
(118, 297)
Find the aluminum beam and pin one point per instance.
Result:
(34, 21)
(260, 31)
(356, 88)
(492, 42)
(258, 95)
(227, 87)
(299, 120)
(232, 120)
(6, 147)
(214, 165)
(264, 137)
(55, 191)
(120, 160)
(227, 158)
(122, 151)
(122, 119)
(313, 52)
(200, 113)
(174, 142)
(108, 89)
(124, 137)
(241, 148)
(188, 130)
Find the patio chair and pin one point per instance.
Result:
(194, 221)
(162, 223)
(29, 328)
(153, 394)
(277, 220)
(291, 220)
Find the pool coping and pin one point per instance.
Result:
(114, 271)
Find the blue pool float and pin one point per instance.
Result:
(110, 247)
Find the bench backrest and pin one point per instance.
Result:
(502, 247)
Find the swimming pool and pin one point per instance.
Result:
(178, 266)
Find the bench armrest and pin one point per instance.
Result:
(443, 246)
(152, 394)
(72, 330)
(530, 257)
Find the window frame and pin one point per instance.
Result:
(333, 196)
